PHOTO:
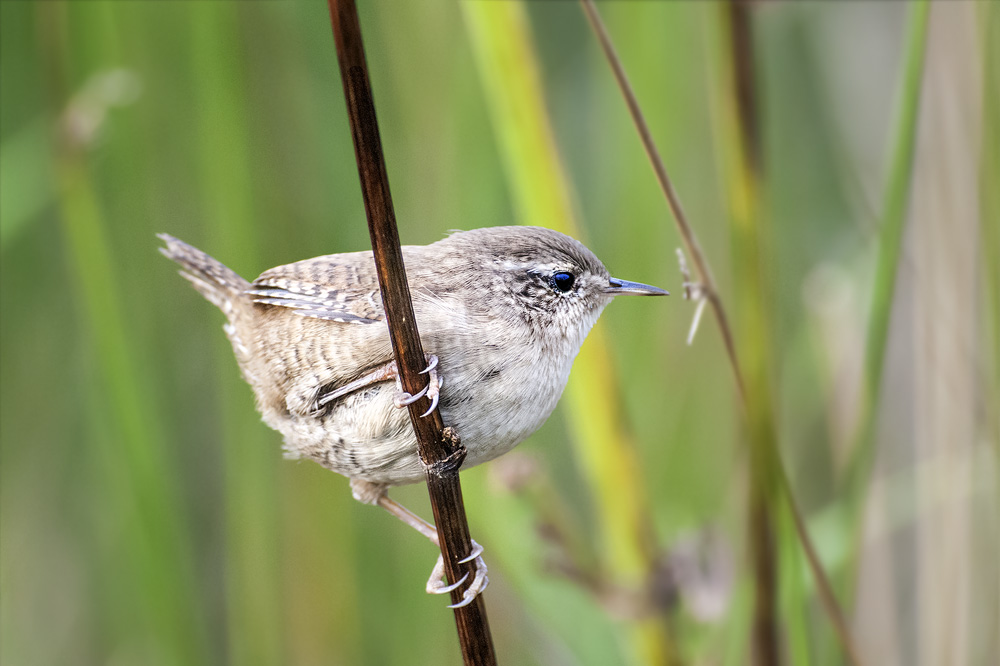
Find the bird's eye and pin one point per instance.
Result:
(563, 281)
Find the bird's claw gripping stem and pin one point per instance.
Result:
(436, 583)
(432, 362)
(477, 551)
(432, 390)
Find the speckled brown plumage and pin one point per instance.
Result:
(505, 309)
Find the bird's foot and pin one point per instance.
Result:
(436, 584)
(432, 390)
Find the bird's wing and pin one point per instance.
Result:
(337, 287)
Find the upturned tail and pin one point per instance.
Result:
(215, 281)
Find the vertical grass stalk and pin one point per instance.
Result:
(509, 69)
(893, 224)
(744, 92)
(902, 148)
(252, 567)
(989, 176)
(754, 338)
(156, 553)
(159, 554)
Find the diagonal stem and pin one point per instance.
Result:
(704, 275)
(438, 446)
(688, 237)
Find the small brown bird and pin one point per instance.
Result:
(502, 313)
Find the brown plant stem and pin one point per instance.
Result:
(710, 292)
(439, 448)
(702, 270)
(750, 236)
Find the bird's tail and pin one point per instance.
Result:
(215, 281)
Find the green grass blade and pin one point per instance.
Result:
(142, 480)
(539, 186)
(894, 209)
(154, 582)
(989, 176)
(252, 566)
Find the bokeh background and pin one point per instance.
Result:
(147, 514)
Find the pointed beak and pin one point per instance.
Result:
(616, 286)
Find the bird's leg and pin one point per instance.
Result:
(373, 493)
(435, 584)
(384, 373)
(380, 374)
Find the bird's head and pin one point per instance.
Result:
(541, 279)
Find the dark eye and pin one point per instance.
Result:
(563, 281)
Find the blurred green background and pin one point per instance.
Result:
(147, 514)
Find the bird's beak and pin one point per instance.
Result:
(616, 286)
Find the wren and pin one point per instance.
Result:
(502, 313)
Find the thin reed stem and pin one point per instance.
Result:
(710, 291)
(893, 223)
(603, 444)
(688, 237)
(438, 446)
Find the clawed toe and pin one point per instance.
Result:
(435, 584)
(434, 404)
(375, 494)
(434, 383)
(432, 390)
(479, 583)
(481, 580)
(432, 362)
(477, 550)
(402, 399)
